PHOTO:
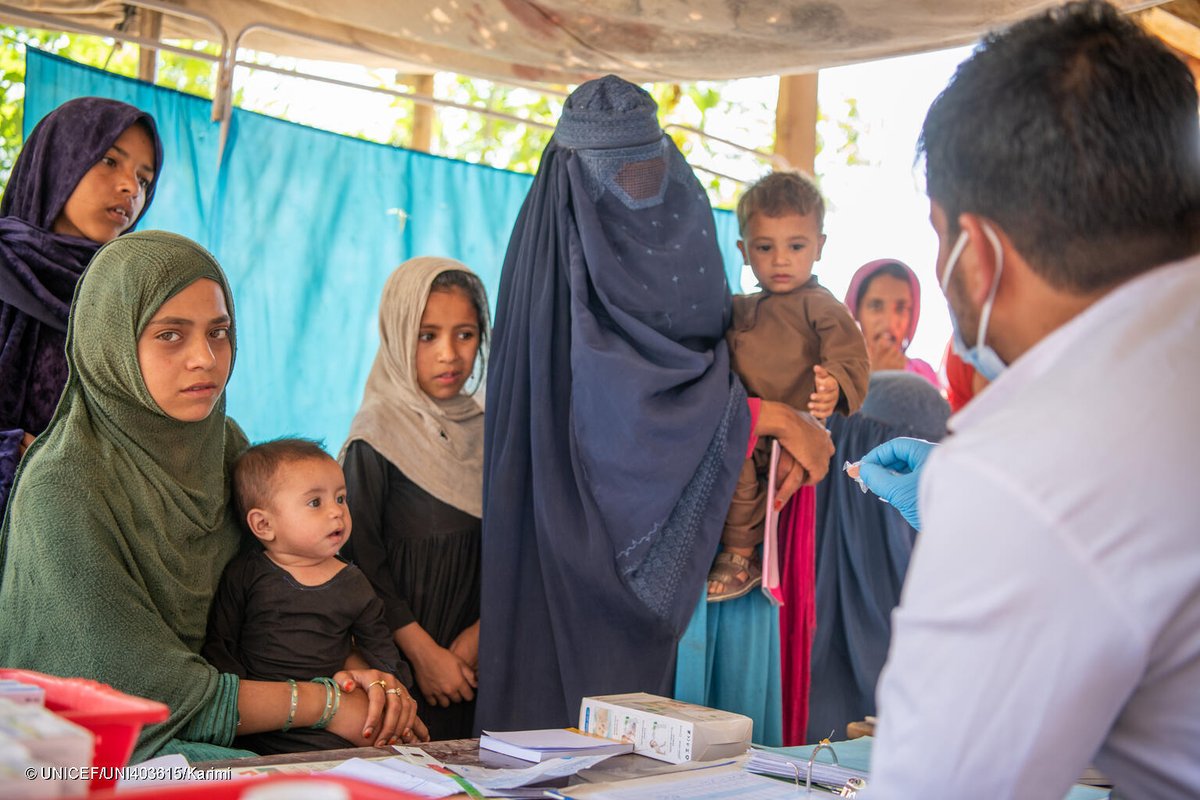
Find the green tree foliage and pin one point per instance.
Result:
(192, 75)
(732, 111)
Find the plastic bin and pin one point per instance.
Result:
(113, 717)
(263, 787)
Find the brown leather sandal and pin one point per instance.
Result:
(726, 569)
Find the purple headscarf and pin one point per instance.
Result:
(39, 268)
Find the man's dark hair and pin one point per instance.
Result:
(255, 469)
(1077, 133)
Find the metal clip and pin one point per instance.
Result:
(824, 744)
(852, 788)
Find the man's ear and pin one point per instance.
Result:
(260, 524)
(979, 259)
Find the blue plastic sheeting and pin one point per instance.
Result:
(729, 659)
(302, 222)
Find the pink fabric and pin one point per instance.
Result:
(755, 404)
(923, 369)
(798, 616)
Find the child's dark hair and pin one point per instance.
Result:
(782, 193)
(255, 469)
(470, 284)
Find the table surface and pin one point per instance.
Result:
(451, 751)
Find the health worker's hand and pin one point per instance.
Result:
(893, 472)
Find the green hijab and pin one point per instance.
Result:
(120, 523)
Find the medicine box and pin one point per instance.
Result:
(22, 693)
(665, 729)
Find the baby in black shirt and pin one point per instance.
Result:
(291, 609)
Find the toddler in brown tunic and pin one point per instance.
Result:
(792, 342)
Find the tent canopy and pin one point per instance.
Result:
(568, 41)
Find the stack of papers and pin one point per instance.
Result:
(396, 773)
(795, 768)
(538, 746)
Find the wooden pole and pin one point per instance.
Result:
(1179, 34)
(796, 121)
(149, 27)
(422, 132)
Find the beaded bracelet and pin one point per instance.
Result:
(333, 699)
(287, 726)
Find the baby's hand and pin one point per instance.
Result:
(823, 401)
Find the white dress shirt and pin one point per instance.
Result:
(1051, 613)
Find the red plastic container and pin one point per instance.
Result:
(291, 785)
(114, 718)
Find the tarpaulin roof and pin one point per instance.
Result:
(567, 41)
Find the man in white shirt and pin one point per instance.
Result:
(1051, 613)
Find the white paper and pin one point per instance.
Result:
(550, 739)
(415, 755)
(729, 782)
(486, 778)
(396, 773)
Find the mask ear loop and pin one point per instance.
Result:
(952, 261)
(987, 306)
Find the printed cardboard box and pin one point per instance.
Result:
(666, 729)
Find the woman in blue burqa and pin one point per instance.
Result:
(863, 547)
(614, 428)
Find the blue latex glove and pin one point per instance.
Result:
(893, 471)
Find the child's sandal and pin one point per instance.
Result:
(727, 569)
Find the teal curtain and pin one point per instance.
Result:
(308, 225)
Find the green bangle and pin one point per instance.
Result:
(337, 701)
(287, 726)
(333, 699)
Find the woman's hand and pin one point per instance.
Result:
(26, 440)
(390, 710)
(357, 705)
(466, 646)
(442, 676)
(885, 353)
(806, 444)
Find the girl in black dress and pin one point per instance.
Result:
(414, 467)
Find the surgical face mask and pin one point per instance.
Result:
(982, 358)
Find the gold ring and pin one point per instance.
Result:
(397, 692)
(381, 682)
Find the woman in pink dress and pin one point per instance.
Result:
(885, 298)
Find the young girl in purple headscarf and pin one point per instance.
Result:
(85, 176)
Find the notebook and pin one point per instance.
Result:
(541, 745)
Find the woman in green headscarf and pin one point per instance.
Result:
(120, 522)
